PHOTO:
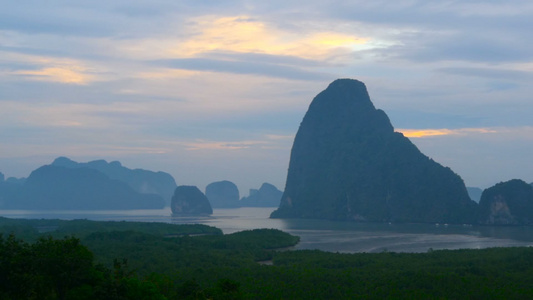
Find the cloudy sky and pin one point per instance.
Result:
(213, 90)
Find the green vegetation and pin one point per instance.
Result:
(34, 228)
(64, 269)
(120, 260)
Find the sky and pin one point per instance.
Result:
(216, 90)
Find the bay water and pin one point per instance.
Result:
(333, 236)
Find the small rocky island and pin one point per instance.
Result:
(222, 194)
(507, 203)
(266, 196)
(189, 200)
(348, 163)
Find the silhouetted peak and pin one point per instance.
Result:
(63, 161)
(267, 187)
(344, 94)
(100, 163)
(352, 85)
(115, 163)
(345, 105)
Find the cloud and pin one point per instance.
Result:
(39, 18)
(267, 141)
(233, 79)
(279, 137)
(483, 159)
(247, 34)
(422, 133)
(417, 133)
(463, 46)
(46, 68)
(243, 67)
(487, 72)
(286, 60)
(200, 36)
(62, 75)
(214, 145)
(89, 149)
(246, 45)
(433, 31)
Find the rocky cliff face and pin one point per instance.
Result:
(507, 203)
(222, 194)
(266, 196)
(348, 163)
(189, 200)
(142, 181)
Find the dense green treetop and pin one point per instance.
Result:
(142, 262)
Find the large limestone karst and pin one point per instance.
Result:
(507, 203)
(348, 163)
(222, 194)
(142, 181)
(189, 200)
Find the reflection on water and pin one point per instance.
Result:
(346, 237)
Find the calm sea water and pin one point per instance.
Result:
(345, 237)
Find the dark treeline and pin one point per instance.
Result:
(122, 260)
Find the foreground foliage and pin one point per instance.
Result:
(134, 262)
(64, 269)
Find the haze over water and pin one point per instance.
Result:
(333, 236)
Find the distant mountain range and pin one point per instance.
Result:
(66, 184)
(100, 185)
(142, 181)
(58, 188)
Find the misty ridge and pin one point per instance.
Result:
(347, 163)
(101, 185)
